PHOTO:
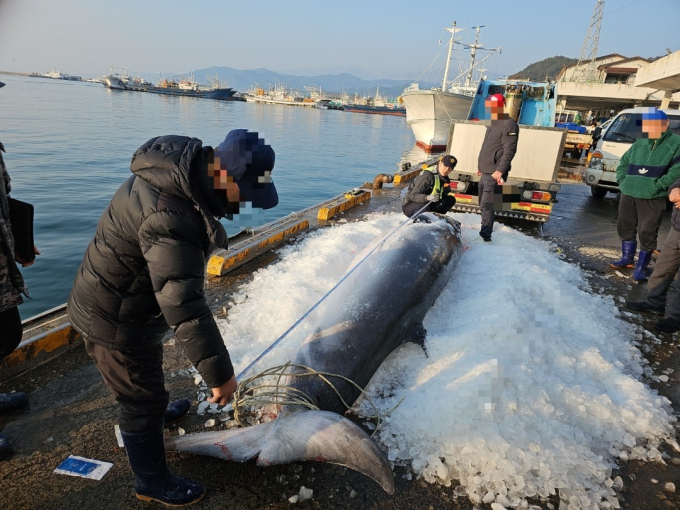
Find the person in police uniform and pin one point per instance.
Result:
(431, 188)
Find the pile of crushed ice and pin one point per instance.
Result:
(531, 384)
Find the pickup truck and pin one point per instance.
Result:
(532, 183)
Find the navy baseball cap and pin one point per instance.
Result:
(250, 162)
(654, 114)
(449, 161)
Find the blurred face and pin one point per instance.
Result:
(496, 108)
(222, 180)
(654, 128)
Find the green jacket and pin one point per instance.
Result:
(649, 167)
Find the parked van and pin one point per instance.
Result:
(615, 141)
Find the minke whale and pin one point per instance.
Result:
(378, 307)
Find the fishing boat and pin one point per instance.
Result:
(56, 75)
(430, 112)
(123, 81)
(278, 95)
(319, 97)
(377, 105)
(188, 87)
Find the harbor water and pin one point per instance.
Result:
(69, 146)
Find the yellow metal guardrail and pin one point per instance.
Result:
(350, 199)
(228, 260)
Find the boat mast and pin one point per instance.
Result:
(453, 31)
(473, 52)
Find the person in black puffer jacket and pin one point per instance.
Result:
(144, 272)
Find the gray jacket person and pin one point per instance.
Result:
(498, 149)
(662, 296)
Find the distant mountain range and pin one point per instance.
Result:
(242, 80)
(245, 79)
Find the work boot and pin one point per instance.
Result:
(12, 401)
(668, 325)
(176, 410)
(640, 273)
(153, 479)
(645, 306)
(5, 448)
(628, 250)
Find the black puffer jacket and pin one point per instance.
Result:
(145, 267)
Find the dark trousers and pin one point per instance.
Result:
(665, 280)
(10, 331)
(441, 207)
(487, 190)
(136, 380)
(640, 217)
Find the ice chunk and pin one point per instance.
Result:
(305, 494)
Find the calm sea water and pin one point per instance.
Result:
(69, 146)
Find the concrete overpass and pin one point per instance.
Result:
(664, 75)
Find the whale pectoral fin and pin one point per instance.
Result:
(327, 437)
(239, 444)
(417, 336)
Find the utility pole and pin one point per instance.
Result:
(586, 71)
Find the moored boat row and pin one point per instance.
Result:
(186, 87)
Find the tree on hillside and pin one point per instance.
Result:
(546, 68)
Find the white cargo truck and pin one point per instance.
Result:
(532, 186)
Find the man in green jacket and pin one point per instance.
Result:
(644, 174)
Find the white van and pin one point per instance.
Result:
(615, 141)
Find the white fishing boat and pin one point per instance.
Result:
(319, 97)
(430, 112)
(124, 81)
(277, 95)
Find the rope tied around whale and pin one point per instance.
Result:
(264, 393)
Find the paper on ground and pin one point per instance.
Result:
(86, 468)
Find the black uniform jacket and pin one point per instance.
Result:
(422, 187)
(144, 270)
(499, 146)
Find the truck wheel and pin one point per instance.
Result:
(598, 192)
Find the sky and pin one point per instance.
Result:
(379, 39)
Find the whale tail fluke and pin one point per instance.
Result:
(296, 436)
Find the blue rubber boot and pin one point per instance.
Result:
(176, 410)
(5, 448)
(640, 274)
(628, 249)
(11, 401)
(153, 479)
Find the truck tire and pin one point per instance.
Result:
(598, 192)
